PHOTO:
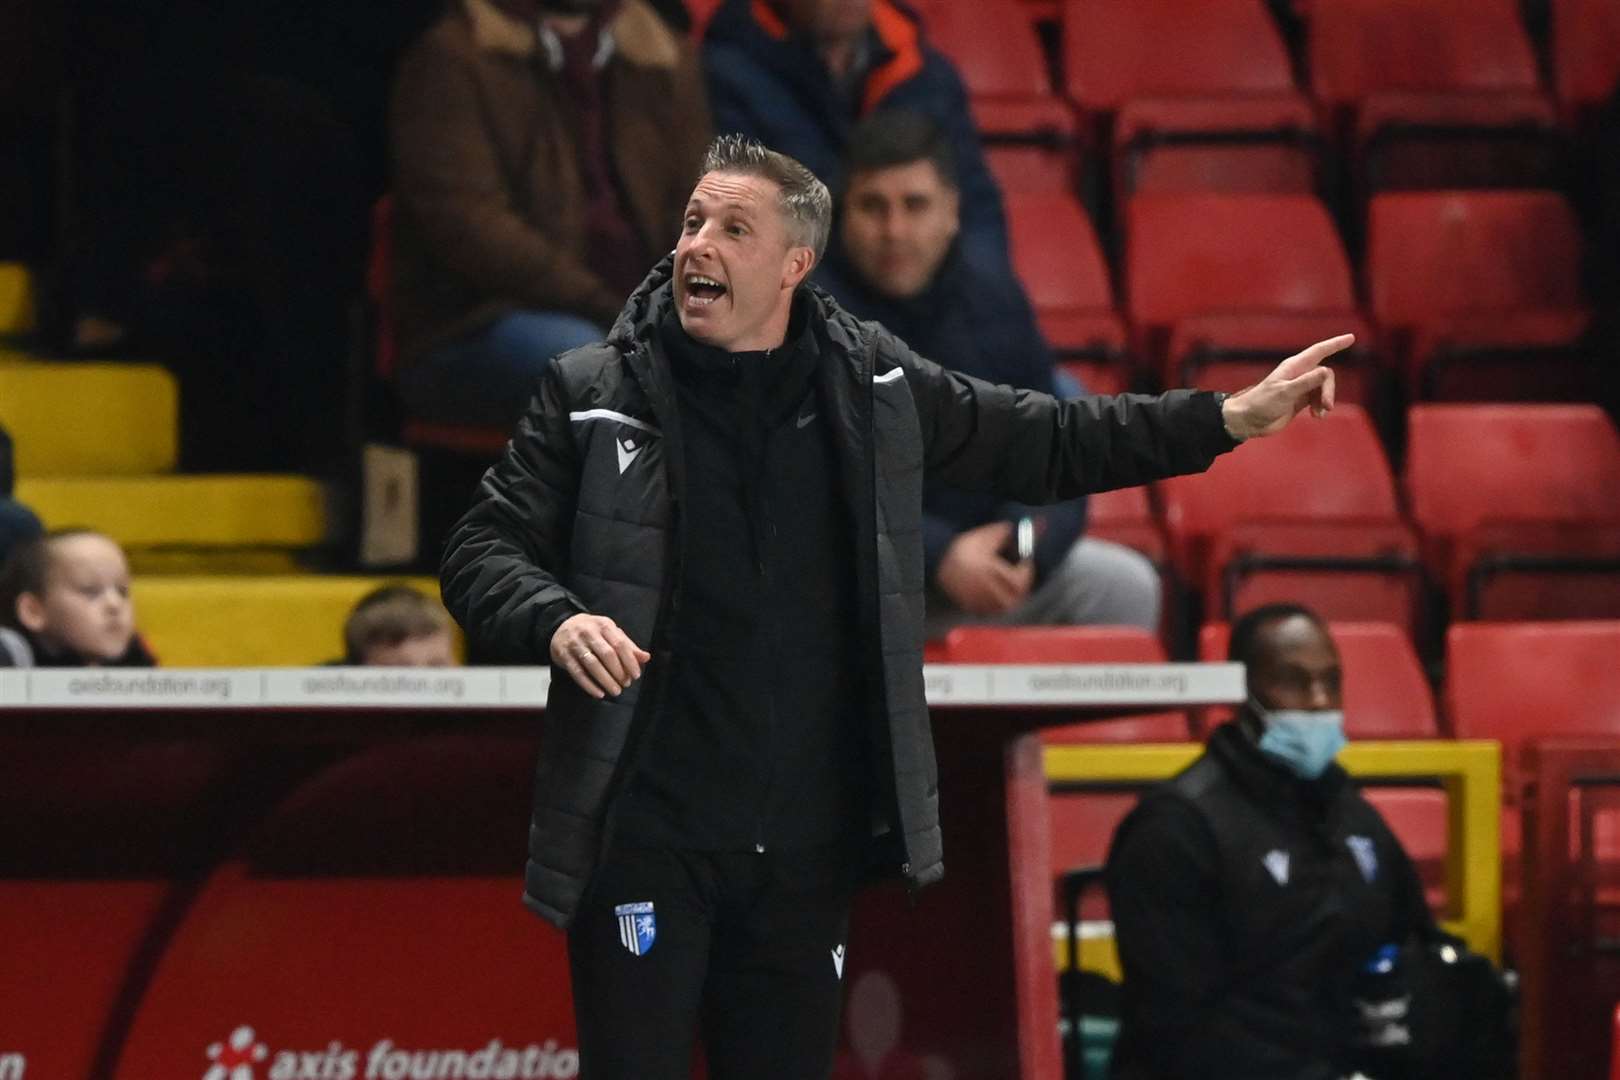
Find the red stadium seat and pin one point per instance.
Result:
(1057, 257)
(1260, 143)
(1420, 818)
(1520, 355)
(1125, 516)
(1385, 693)
(1030, 132)
(1231, 352)
(1073, 645)
(1519, 508)
(1082, 825)
(1361, 47)
(1188, 255)
(1586, 51)
(1308, 515)
(1517, 681)
(1116, 50)
(378, 909)
(1433, 254)
(1405, 140)
(1447, 92)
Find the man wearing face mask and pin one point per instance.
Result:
(1249, 892)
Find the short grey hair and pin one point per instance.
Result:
(804, 200)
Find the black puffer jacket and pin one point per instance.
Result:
(579, 516)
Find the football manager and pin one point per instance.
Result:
(709, 525)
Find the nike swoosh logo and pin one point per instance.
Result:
(627, 454)
(805, 421)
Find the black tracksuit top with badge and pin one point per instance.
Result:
(760, 744)
(1245, 902)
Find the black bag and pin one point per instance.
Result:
(1453, 1018)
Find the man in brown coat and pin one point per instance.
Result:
(542, 151)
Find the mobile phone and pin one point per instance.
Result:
(1020, 546)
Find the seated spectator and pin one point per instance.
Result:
(17, 522)
(1250, 892)
(897, 259)
(64, 602)
(396, 626)
(797, 75)
(542, 151)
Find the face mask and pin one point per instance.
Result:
(1304, 740)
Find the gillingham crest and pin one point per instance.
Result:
(638, 927)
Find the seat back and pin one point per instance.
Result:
(1586, 50)
(1260, 143)
(1385, 693)
(1200, 254)
(993, 45)
(1073, 645)
(1434, 253)
(1361, 47)
(1114, 50)
(1282, 478)
(1056, 253)
(1470, 464)
(1515, 681)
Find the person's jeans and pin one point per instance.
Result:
(486, 378)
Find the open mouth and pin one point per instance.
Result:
(702, 291)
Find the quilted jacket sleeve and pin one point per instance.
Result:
(1035, 448)
(505, 561)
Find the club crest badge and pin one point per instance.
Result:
(1366, 856)
(638, 927)
(1276, 863)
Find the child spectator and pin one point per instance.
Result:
(396, 626)
(64, 602)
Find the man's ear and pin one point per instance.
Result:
(801, 259)
(31, 613)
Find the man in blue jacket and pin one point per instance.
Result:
(897, 259)
(799, 74)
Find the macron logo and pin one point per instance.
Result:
(1277, 863)
(838, 961)
(627, 452)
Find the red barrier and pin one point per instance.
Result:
(1570, 935)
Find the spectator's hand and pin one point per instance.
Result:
(977, 579)
(601, 658)
(1266, 407)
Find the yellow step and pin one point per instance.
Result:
(251, 621)
(186, 511)
(90, 419)
(16, 299)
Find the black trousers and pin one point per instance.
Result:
(746, 947)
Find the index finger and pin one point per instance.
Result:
(1305, 360)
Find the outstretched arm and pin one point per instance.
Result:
(1035, 448)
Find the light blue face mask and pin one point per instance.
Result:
(1304, 740)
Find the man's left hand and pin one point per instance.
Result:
(1266, 407)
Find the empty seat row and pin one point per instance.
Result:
(1464, 289)
(1514, 510)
